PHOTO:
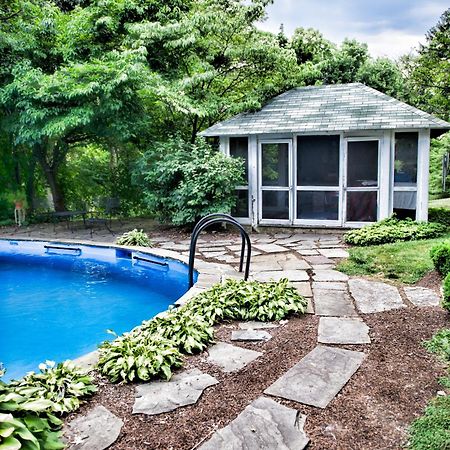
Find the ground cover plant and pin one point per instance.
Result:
(29, 408)
(432, 429)
(393, 230)
(406, 262)
(134, 237)
(155, 348)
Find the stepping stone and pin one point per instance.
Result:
(318, 377)
(374, 296)
(329, 275)
(318, 260)
(329, 285)
(333, 303)
(250, 335)
(306, 252)
(303, 289)
(420, 296)
(270, 248)
(183, 389)
(342, 330)
(212, 254)
(256, 325)
(229, 357)
(288, 261)
(309, 306)
(264, 424)
(277, 275)
(334, 252)
(323, 267)
(97, 430)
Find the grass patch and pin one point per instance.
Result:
(440, 203)
(407, 261)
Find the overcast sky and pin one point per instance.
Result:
(390, 27)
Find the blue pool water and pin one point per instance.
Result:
(57, 304)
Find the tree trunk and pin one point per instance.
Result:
(42, 153)
(56, 189)
(30, 187)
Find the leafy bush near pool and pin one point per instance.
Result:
(134, 237)
(28, 406)
(439, 215)
(393, 230)
(440, 255)
(154, 348)
(183, 182)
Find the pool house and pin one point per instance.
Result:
(331, 156)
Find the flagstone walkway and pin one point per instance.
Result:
(308, 261)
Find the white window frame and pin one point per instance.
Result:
(288, 188)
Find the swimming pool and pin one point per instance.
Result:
(57, 300)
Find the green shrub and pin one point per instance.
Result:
(154, 348)
(440, 255)
(446, 299)
(183, 182)
(393, 230)
(134, 237)
(28, 406)
(439, 215)
(431, 431)
(440, 344)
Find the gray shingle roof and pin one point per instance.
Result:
(339, 107)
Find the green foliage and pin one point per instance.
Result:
(134, 237)
(406, 261)
(446, 299)
(439, 147)
(440, 255)
(64, 384)
(428, 72)
(432, 430)
(440, 344)
(393, 230)
(154, 348)
(439, 215)
(183, 182)
(28, 406)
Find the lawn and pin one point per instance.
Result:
(406, 262)
(440, 203)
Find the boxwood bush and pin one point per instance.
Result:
(446, 299)
(440, 255)
(155, 348)
(394, 230)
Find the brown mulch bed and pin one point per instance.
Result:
(373, 410)
(432, 280)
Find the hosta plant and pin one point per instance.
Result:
(28, 407)
(154, 348)
(136, 238)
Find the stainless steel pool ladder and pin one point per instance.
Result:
(206, 222)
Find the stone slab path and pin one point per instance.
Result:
(263, 425)
(256, 325)
(342, 330)
(318, 377)
(420, 296)
(333, 303)
(229, 357)
(96, 430)
(183, 389)
(374, 296)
